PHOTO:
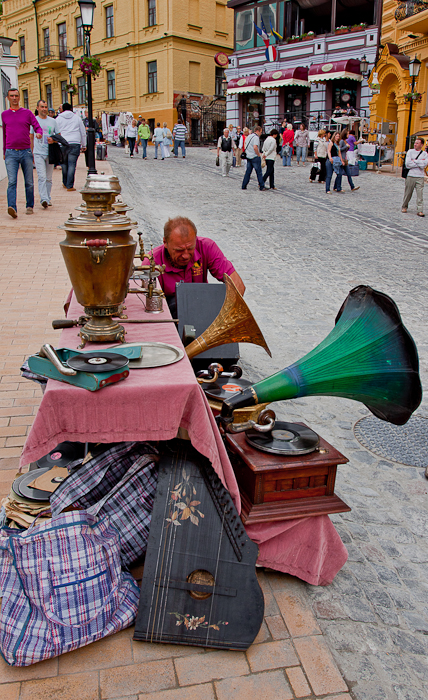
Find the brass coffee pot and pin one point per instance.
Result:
(98, 252)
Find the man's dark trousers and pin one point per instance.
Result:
(255, 163)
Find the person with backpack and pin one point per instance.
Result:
(416, 162)
(225, 150)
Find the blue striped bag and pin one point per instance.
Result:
(62, 587)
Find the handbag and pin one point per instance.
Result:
(62, 587)
(217, 160)
(136, 148)
(285, 150)
(354, 170)
(263, 161)
(234, 162)
(126, 149)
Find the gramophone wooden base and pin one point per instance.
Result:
(274, 487)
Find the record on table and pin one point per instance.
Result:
(154, 354)
(62, 455)
(21, 486)
(98, 361)
(287, 439)
(225, 387)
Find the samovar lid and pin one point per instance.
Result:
(102, 182)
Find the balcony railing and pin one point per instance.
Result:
(52, 53)
(410, 8)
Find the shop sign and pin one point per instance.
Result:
(277, 75)
(241, 82)
(221, 59)
(327, 67)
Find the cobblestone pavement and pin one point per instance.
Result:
(299, 253)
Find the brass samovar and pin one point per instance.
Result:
(99, 251)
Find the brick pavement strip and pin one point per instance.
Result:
(263, 686)
(299, 255)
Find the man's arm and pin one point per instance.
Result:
(4, 135)
(32, 141)
(36, 126)
(237, 281)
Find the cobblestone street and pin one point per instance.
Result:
(299, 253)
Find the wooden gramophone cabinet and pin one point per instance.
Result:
(274, 487)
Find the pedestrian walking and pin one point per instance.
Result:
(287, 145)
(344, 147)
(301, 139)
(416, 162)
(269, 152)
(238, 150)
(131, 136)
(179, 132)
(71, 128)
(242, 139)
(144, 136)
(320, 155)
(333, 164)
(158, 137)
(167, 140)
(40, 148)
(225, 148)
(252, 151)
(17, 150)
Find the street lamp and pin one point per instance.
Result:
(69, 60)
(414, 68)
(364, 67)
(87, 8)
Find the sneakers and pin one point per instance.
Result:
(404, 210)
(45, 205)
(49, 204)
(131, 156)
(12, 212)
(420, 213)
(29, 210)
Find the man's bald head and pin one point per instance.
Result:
(181, 225)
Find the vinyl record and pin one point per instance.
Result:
(225, 387)
(287, 439)
(98, 361)
(62, 455)
(21, 486)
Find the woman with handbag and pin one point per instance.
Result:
(287, 145)
(269, 155)
(131, 136)
(333, 164)
(245, 132)
(320, 153)
(344, 147)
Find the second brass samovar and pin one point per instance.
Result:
(99, 251)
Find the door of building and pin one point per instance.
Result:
(253, 110)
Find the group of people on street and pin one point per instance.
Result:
(139, 134)
(27, 136)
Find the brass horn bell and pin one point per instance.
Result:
(234, 324)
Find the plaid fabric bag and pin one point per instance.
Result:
(62, 587)
(120, 483)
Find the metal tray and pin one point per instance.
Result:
(154, 355)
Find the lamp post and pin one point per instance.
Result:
(364, 67)
(414, 68)
(87, 8)
(69, 60)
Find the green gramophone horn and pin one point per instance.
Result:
(369, 356)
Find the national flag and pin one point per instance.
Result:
(262, 32)
(263, 27)
(278, 36)
(271, 53)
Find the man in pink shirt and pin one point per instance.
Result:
(188, 258)
(17, 150)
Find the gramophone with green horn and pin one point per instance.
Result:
(369, 356)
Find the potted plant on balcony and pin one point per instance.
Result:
(293, 39)
(306, 36)
(90, 65)
(358, 27)
(341, 30)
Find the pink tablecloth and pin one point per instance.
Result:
(152, 404)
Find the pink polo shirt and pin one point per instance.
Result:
(207, 257)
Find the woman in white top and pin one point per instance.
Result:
(131, 135)
(320, 154)
(269, 152)
(167, 140)
(158, 137)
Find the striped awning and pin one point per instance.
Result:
(282, 78)
(320, 72)
(251, 83)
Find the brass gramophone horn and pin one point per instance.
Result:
(234, 324)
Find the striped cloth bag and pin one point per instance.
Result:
(62, 587)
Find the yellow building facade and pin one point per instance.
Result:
(404, 35)
(153, 52)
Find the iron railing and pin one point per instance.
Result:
(52, 53)
(410, 8)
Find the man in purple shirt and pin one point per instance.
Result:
(17, 150)
(188, 258)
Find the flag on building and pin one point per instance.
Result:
(271, 53)
(278, 36)
(262, 32)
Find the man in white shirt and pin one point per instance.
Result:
(225, 150)
(252, 151)
(40, 150)
(416, 162)
(71, 128)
